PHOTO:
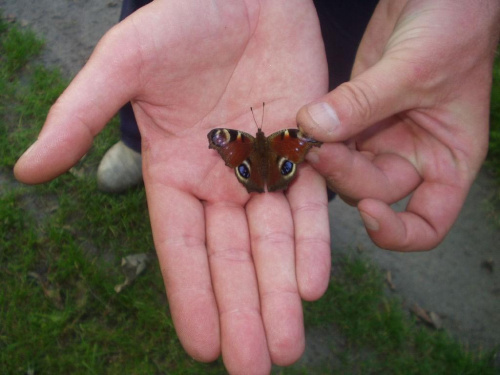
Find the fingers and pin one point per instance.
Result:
(309, 205)
(429, 216)
(355, 175)
(352, 107)
(243, 337)
(272, 240)
(177, 221)
(83, 109)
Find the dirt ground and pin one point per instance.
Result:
(459, 280)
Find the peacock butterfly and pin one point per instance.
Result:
(262, 161)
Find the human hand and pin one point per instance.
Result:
(235, 265)
(412, 120)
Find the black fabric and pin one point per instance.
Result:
(130, 6)
(343, 23)
(130, 134)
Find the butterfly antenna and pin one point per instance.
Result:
(253, 115)
(262, 121)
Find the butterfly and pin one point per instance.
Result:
(262, 161)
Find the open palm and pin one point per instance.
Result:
(235, 265)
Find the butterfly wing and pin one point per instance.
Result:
(262, 161)
(238, 150)
(232, 145)
(287, 148)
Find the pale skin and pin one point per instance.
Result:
(414, 118)
(236, 266)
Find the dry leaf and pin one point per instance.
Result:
(421, 313)
(431, 318)
(132, 266)
(437, 323)
(388, 280)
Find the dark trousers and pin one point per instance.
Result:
(343, 23)
(128, 126)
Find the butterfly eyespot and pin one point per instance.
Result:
(287, 167)
(244, 171)
(220, 137)
(259, 162)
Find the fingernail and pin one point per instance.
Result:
(324, 116)
(370, 222)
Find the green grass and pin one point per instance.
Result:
(493, 159)
(60, 251)
(18, 47)
(380, 337)
(494, 149)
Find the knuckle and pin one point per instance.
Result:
(359, 99)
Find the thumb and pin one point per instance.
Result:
(376, 94)
(83, 109)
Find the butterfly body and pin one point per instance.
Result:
(262, 161)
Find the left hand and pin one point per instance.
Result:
(412, 120)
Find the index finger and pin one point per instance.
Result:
(431, 212)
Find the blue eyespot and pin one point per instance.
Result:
(243, 171)
(286, 167)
